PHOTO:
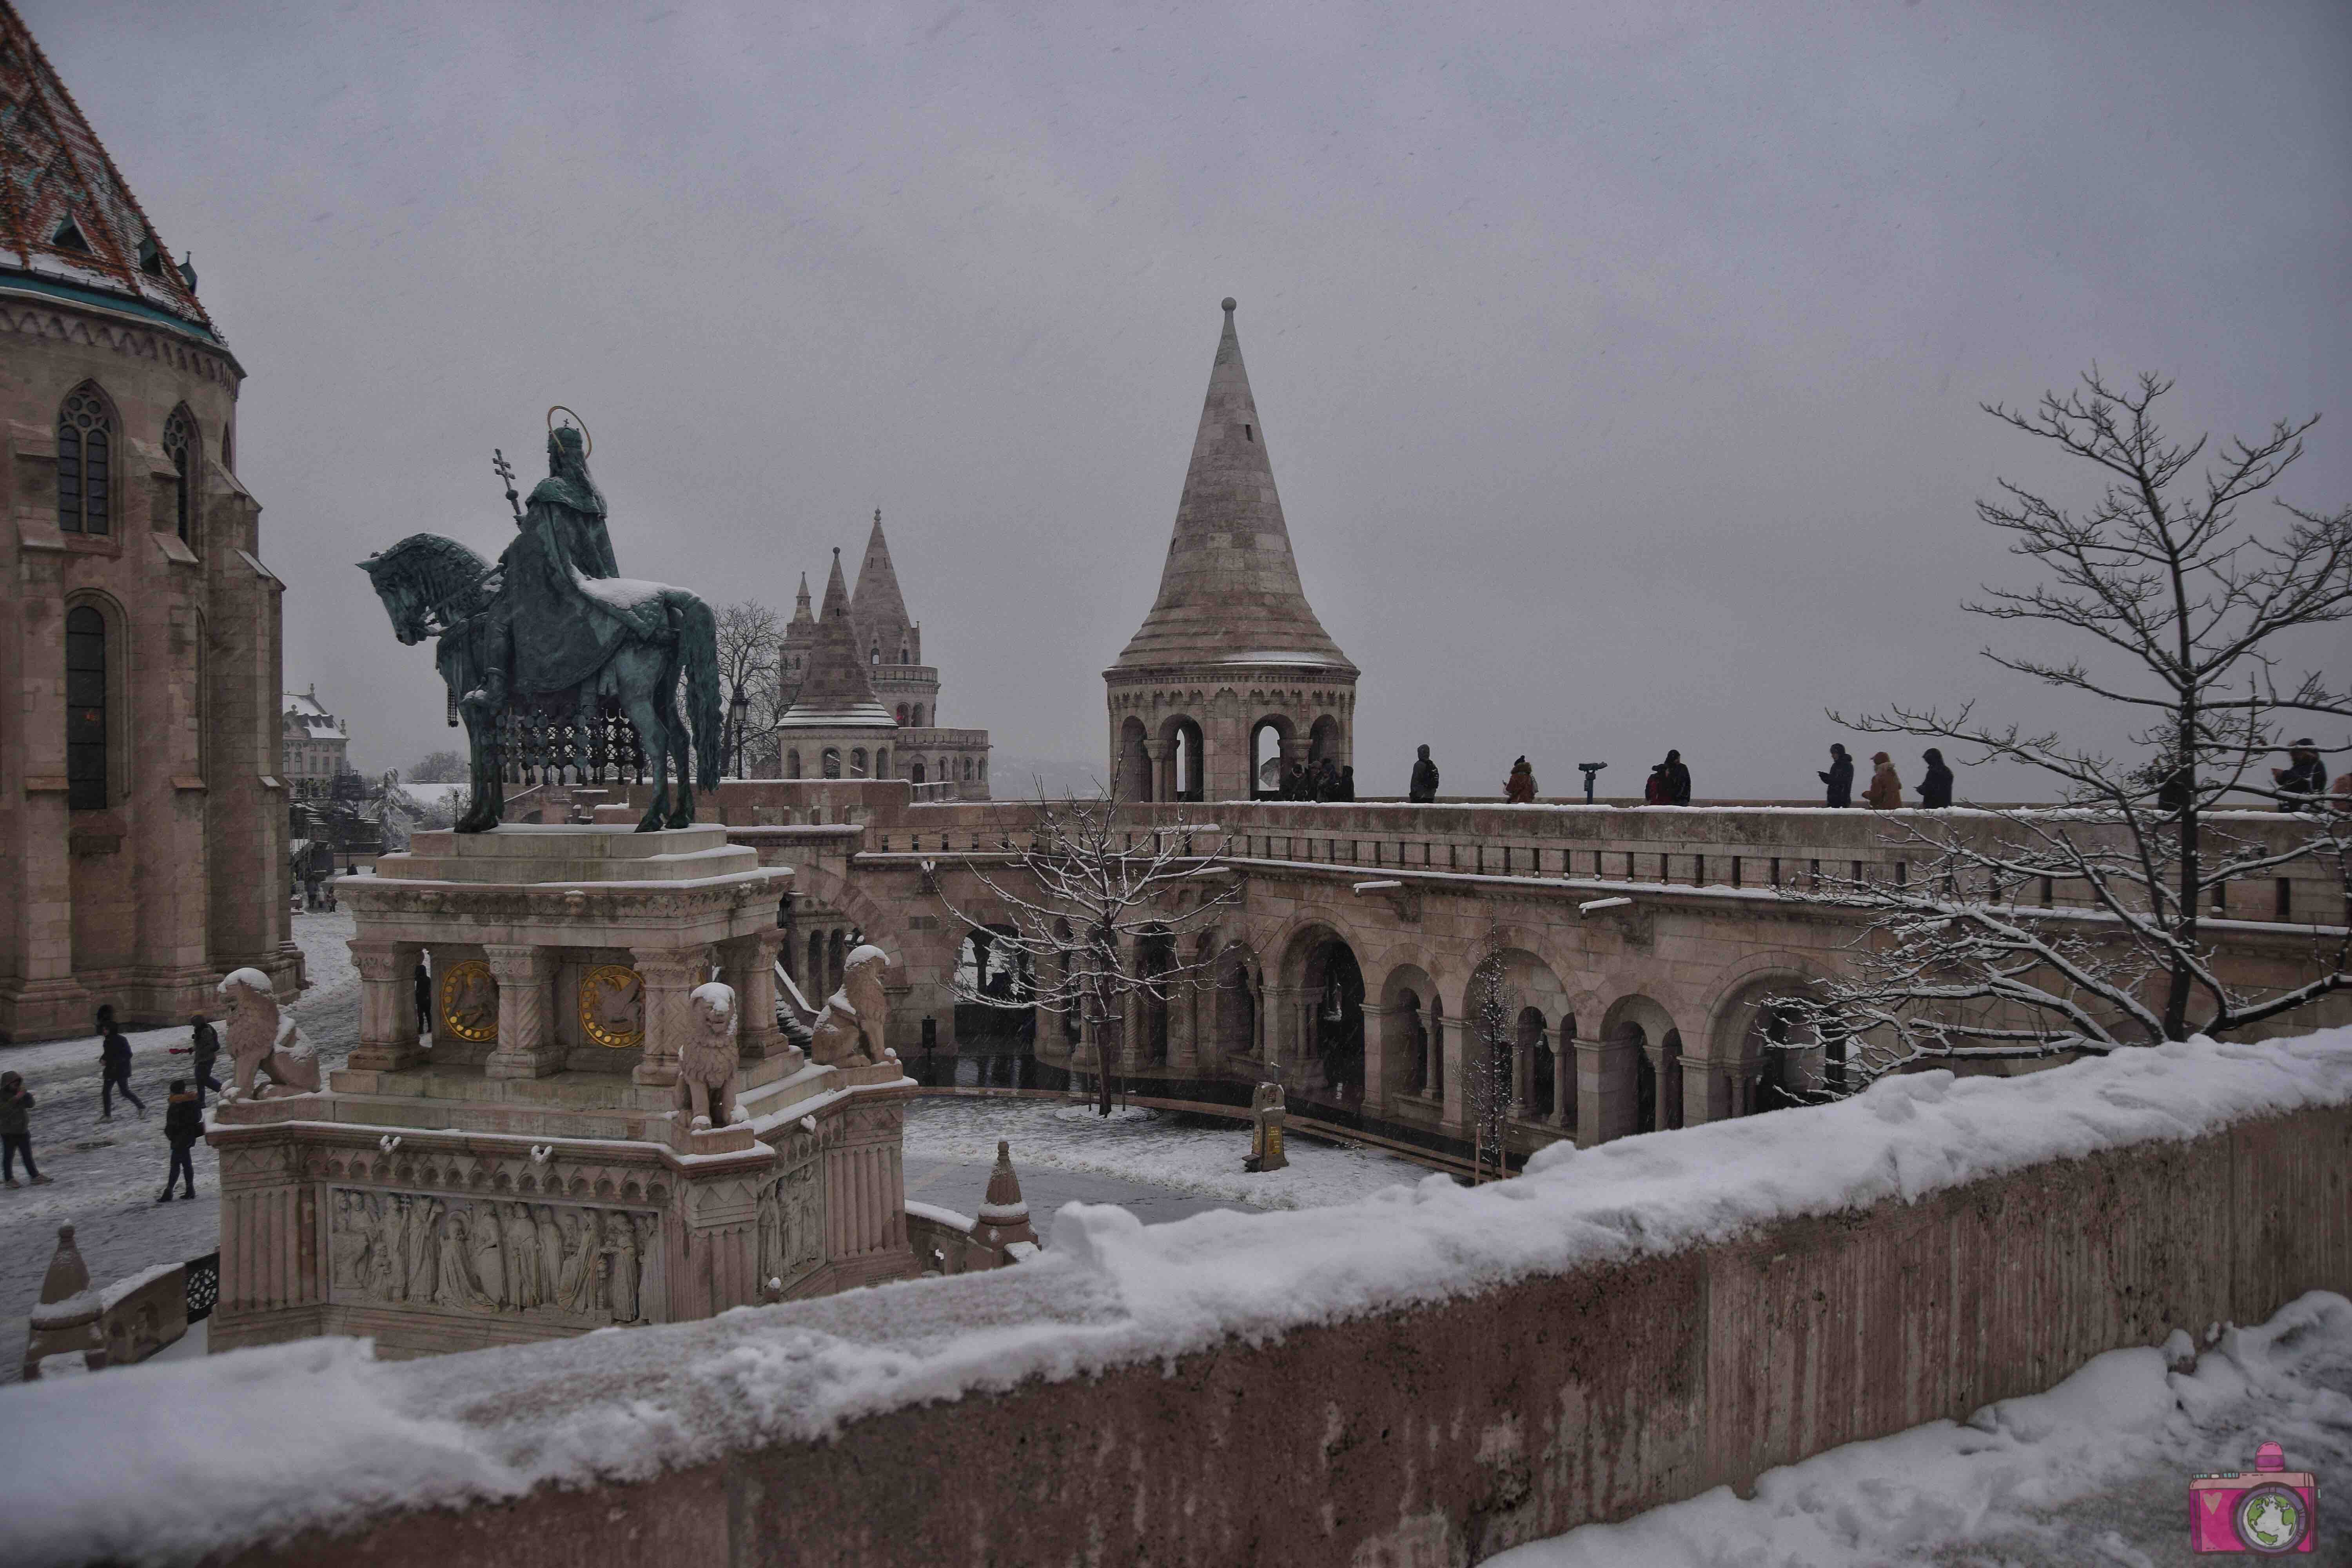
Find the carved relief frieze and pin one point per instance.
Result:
(557, 1263)
(790, 1227)
(459, 1171)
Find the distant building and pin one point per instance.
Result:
(316, 745)
(860, 701)
(141, 808)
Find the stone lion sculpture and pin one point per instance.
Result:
(262, 1044)
(709, 1063)
(849, 1029)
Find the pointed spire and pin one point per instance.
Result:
(879, 609)
(836, 692)
(800, 616)
(1229, 592)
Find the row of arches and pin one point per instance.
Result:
(90, 436)
(910, 715)
(1173, 764)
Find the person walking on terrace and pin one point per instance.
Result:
(1885, 791)
(1519, 789)
(1653, 788)
(1424, 780)
(16, 1131)
(183, 1123)
(1936, 783)
(1840, 778)
(203, 1050)
(1677, 780)
(114, 1068)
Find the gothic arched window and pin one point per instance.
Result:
(832, 761)
(919, 773)
(791, 765)
(86, 758)
(919, 715)
(902, 714)
(84, 460)
(186, 452)
(857, 762)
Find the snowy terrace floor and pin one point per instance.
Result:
(2093, 1472)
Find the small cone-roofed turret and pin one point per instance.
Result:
(877, 607)
(1229, 592)
(835, 693)
(800, 616)
(1004, 1215)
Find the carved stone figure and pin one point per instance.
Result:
(709, 1064)
(262, 1044)
(851, 1027)
(495, 1255)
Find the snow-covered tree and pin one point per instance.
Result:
(1095, 912)
(1493, 1011)
(440, 767)
(751, 637)
(2036, 932)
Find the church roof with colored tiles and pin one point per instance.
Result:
(70, 227)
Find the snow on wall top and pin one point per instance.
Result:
(292, 1435)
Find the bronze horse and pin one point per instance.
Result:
(437, 587)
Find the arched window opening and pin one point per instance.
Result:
(902, 655)
(791, 765)
(919, 773)
(84, 460)
(873, 654)
(919, 715)
(857, 762)
(180, 444)
(882, 762)
(1188, 776)
(983, 770)
(832, 761)
(1265, 759)
(1537, 1062)
(902, 715)
(86, 750)
(967, 769)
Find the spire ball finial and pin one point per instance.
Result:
(1229, 304)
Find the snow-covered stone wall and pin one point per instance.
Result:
(1429, 1376)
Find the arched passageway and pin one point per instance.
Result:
(996, 1013)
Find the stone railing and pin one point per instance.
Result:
(1430, 1376)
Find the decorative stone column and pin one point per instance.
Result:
(1281, 1017)
(1457, 1056)
(670, 976)
(527, 1045)
(752, 962)
(387, 1041)
(1376, 1059)
(1605, 1089)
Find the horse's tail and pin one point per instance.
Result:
(699, 646)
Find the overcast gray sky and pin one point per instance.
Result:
(1619, 363)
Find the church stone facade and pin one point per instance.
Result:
(1231, 678)
(139, 797)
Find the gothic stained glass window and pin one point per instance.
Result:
(84, 460)
(85, 708)
(180, 446)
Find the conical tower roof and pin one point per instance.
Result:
(1229, 592)
(800, 616)
(70, 227)
(836, 693)
(879, 609)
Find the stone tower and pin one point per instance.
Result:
(800, 640)
(892, 645)
(139, 633)
(1230, 674)
(836, 727)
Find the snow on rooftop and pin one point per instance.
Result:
(269, 1440)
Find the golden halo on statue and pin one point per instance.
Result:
(586, 439)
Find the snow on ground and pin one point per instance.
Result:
(2095, 1470)
(1189, 1153)
(105, 1175)
(311, 1432)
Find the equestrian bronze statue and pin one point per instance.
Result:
(560, 668)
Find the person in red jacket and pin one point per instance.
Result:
(183, 1123)
(1519, 789)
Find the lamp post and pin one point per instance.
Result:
(739, 711)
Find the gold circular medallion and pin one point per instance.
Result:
(613, 1006)
(469, 1001)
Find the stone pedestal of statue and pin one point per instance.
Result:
(536, 1173)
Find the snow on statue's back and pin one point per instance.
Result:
(851, 1029)
(262, 1044)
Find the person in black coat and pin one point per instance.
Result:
(203, 1050)
(114, 1068)
(1840, 778)
(1677, 780)
(17, 1129)
(1347, 784)
(424, 997)
(1424, 780)
(1936, 783)
(183, 1123)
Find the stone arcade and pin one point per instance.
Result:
(536, 1170)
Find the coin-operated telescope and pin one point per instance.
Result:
(1588, 770)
